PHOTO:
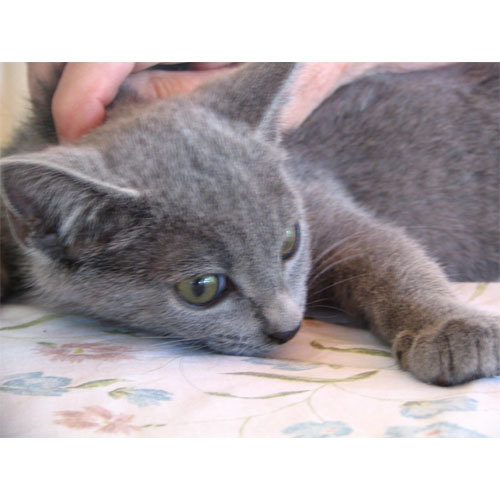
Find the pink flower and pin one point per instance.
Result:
(99, 418)
(78, 352)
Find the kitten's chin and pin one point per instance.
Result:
(242, 349)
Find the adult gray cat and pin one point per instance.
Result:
(190, 217)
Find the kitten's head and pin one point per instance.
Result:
(176, 217)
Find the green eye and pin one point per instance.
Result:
(291, 242)
(203, 290)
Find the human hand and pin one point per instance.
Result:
(84, 90)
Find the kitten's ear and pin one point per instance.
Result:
(255, 94)
(62, 212)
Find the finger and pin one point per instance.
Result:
(84, 91)
(140, 66)
(163, 84)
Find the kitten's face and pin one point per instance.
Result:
(218, 253)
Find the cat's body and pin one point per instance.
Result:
(421, 150)
(199, 187)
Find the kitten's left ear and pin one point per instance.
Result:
(255, 94)
(60, 211)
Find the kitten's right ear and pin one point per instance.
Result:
(60, 211)
(255, 94)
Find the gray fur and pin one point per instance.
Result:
(391, 174)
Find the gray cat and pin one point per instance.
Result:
(193, 217)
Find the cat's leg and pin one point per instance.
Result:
(374, 272)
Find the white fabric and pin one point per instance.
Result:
(73, 377)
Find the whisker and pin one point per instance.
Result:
(175, 342)
(233, 341)
(346, 239)
(336, 244)
(316, 292)
(332, 264)
(333, 246)
(345, 250)
(331, 307)
(309, 304)
(163, 344)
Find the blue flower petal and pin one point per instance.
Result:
(146, 397)
(437, 430)
(424, 409)
(35, 384)
(318, 429)
(281, 365)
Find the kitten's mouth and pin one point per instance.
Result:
(243, 349)
(235, 347)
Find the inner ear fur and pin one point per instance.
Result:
(60, 211)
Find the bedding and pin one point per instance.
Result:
(68, 376)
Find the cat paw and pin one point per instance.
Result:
(457, 351)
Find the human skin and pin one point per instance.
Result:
(84, 90)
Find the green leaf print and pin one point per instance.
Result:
(121, 392)
(34, 322)
(97, 383)
(354, 350)
(312, 380)
(267, 396)
(480, 289)
(359, 376)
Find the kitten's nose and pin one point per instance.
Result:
(283, 317)
(282, 337)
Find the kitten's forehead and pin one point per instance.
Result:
(193, 163)
(178, 141)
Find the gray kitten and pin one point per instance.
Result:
(192, 217)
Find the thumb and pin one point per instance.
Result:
(83, 92)
(157, 84)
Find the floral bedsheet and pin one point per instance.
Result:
(67, 376)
